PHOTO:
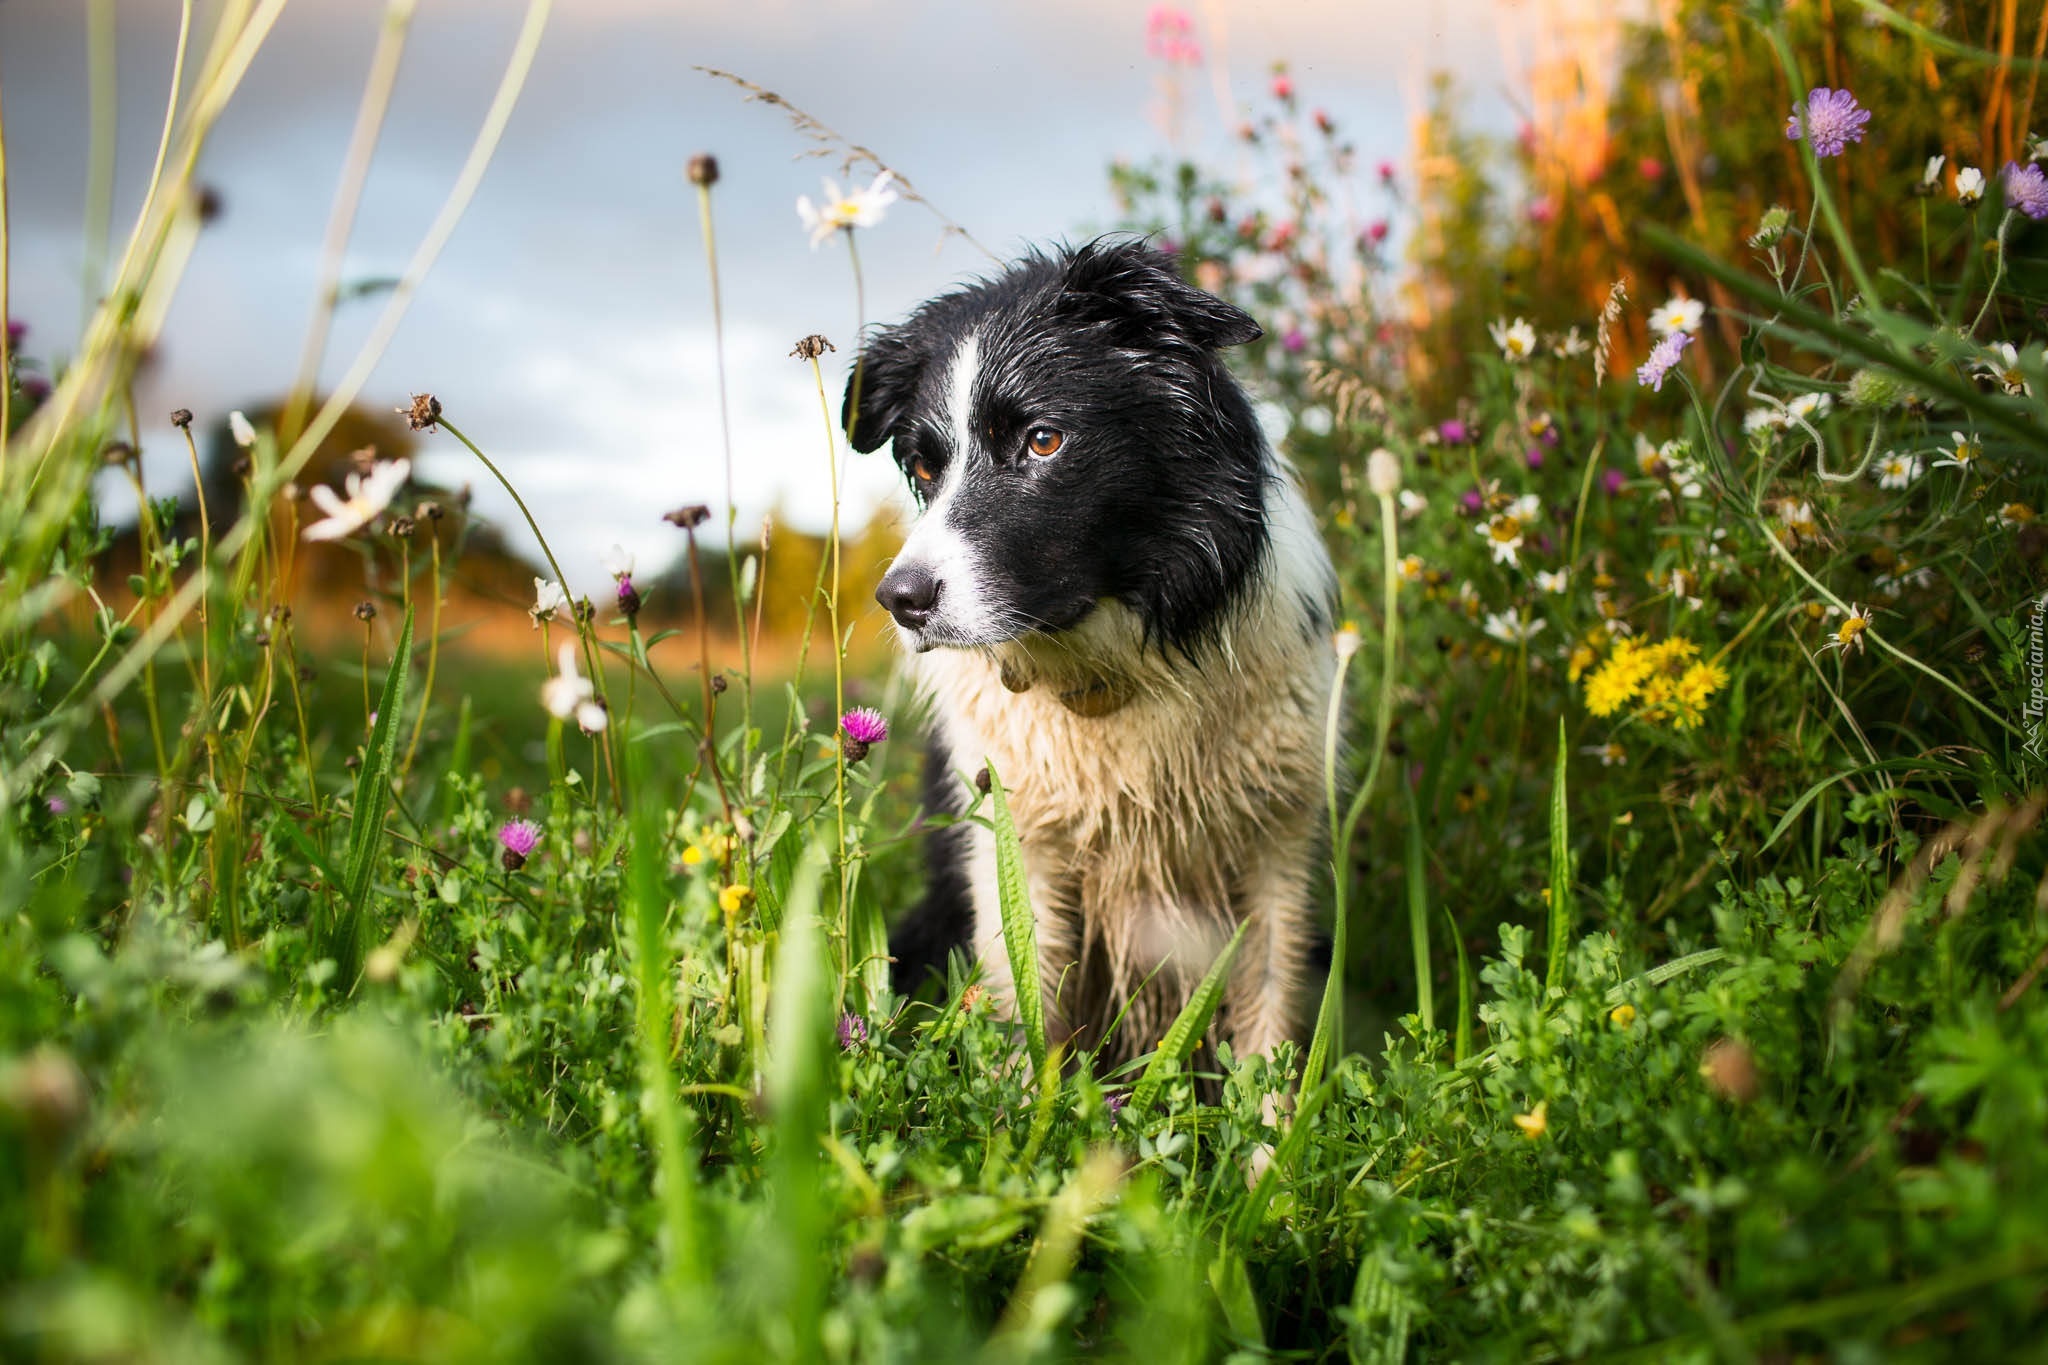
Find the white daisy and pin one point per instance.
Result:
(1517, 339)
(1503, 534)
(1896, 470)
(1526, 508)
(1681, 314)
(1969, 185)
(1569, 345)
(1965, 453)
(368, 496)
(1609, 754)
(1513, 626)
(2003, 368)
(1410, 568)
(1810, 406)
(1558, 581)
(1849, 635)
(843, 212)
(570, 696)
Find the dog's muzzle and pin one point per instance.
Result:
(910, 592)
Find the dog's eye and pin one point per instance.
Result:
(1046, 441)
(921, 471)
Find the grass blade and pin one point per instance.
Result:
(1020, 932)
(1186, 1033)
(373, 801)
(1418, 916)
(1560, 875)
(800, 1087)
(1461, 1031)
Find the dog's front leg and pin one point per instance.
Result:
(1268, 984)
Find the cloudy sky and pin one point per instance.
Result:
(568, 322)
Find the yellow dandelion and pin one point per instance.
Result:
(1622, 1015)
(1618, 679)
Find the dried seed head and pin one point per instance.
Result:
(424, 412)
(402, 528)
(703, 170)
(718, 684)
(306, 673)
(982, 780)
(689, 518)
(1383, 473)
(811, 347)
(430, 510)
(118, 453)
(243, 466)
(181, 418)
(366, 610)
(262, 638)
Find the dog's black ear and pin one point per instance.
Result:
(1130, 283)
(881, 388)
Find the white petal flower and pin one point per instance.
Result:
(1933, 174)
(1526, 508)
(1969, 185)
(1811, 406)
(1513, 626)
(550, 602)
(1965, 452)
(1609, 753)
(570, 696)
(1413, 504)
(844, 211)
(241, 430)
(617, 561)
(1517, 339)
(367, 497)
(2002, 367)
(1504, 537)
(1897, 470)
(1553, 582)
(1679, 315)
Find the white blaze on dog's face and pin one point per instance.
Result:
(1072, 438)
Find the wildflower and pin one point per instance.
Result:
(1798, 518)
(1849, 635)
(843, 212)
(1681, 314)
(422, 412)
(1536, 1122)
(702, 170)
(1969, 185)
(570, 695)
(861, 729)
(1410, 568)
(240, 428)
(1965, 454)
(2026, 189)
(1896, 471)
(550, 602)
(1413, 504)
(1517, 339)
(1622, 1015)
(1113, 1102)
(518, 838)
(2016, 514)
(1610, 754)
(733, 899)
(367, 498)
(1169, 35)
(617, 561)
(1383, 473)
(1830, 121)
(1283, 86)
(1808, 407)
(1613, 481)
(1376, 231)
(1346, 641)
(1513, 626)
(1662, 358)
(853, 1031)
(2003, 368)
(1503, 534)
(1294, 341)
(1570, 345)
(1454, 432)
(1550, 581)
(1932, 175)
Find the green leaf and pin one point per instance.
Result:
(1020, 931)
(1418, 916)
(373, 801)
(1560, 875)
(1188, 1029)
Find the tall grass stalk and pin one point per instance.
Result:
(709, 228)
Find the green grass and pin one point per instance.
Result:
(1689, 1004)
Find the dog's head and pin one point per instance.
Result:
(1071, 437)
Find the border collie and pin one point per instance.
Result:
(1115, 594)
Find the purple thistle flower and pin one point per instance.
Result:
(1454, 432)
(16, 330)
(1831, 120)
(1612, 481)
(863, 727)
(1113, 1103)
(629, 597)
(1472, 500)
(1535, 457)
(853, 1031)
(1663, 357)
(519, 838)
(58, 805)
(1294, 341)
(2026, 189)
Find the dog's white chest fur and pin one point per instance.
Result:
(1159, 800)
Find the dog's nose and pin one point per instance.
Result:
(910, 592)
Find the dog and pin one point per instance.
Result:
(1115, 595)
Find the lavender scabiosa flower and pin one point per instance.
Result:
(1830, 120)
(2026, 189)
(853, 1031)
(861, 729)
(1662, 359)
(519, 838)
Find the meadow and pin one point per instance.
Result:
(366, 998)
